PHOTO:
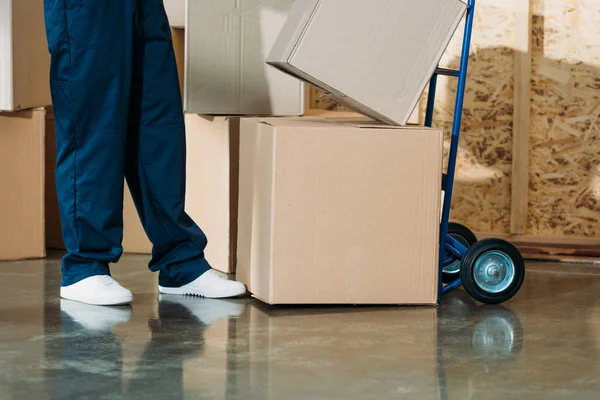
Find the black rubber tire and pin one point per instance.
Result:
(462, 231)
(468, 266)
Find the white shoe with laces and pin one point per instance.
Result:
(99, 290)
(210, 285)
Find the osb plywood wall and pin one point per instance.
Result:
(564, 153)
(565, 131)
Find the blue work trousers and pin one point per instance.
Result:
(117, 105)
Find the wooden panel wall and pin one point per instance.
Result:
(565, 133)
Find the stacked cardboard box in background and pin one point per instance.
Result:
(24, 58)
(22, 184)
(227, 43)
(225, 75)
(24, 70)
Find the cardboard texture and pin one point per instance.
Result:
(377, 56)
(178, 36)
(22, 183)
(175, 12)
(135, 240)
(24, 58)
(212, 184)
(339, 213)
(226, 45)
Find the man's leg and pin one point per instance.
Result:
(90, 44)
(156, 160)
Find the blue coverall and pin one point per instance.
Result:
(118, 111)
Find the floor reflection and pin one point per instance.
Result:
(475, 344)
(542, 345)
(91, 356)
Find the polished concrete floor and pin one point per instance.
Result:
(545, 344)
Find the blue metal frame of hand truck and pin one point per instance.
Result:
(447, 244)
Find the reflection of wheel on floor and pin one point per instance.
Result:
(467, 238)
(492, 271)
(497, 333)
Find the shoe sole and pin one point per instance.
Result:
(118, 301)
(199, 293)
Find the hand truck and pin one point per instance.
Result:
(491, 270)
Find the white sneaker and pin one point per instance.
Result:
(95, 318)
(100, 290)
(209, 284)
(207, 310)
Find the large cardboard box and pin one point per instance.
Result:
(340, 213)
(175, 12)
(24, 57)
(376, 57)
(22, 184)
(226, 46)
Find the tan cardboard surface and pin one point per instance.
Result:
(24, 57)
(178, 36)
(212, 181)
(227, 43)
(134, 237)
(339, 213)
(22, 170)
(376, 58)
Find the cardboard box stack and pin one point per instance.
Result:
(322, 208)
(24, 70)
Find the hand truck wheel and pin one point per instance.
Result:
(492, 271)
(467, 238)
